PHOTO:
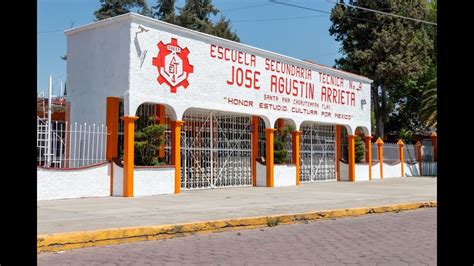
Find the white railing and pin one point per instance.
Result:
(71, 145)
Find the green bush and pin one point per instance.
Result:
(148, 139)
(359, 149)
(279, 145)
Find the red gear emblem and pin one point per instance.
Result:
(173, 65)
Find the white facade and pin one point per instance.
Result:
(284, 175)
(147, 181)
(153, 181)
(76, 183)
(115, 57)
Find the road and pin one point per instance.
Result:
(404, 238)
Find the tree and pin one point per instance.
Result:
(222, 29)
(196, 14)
(384, 48)
(428, 112)
(164, 10)
(112, 8)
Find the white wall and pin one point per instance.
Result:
(284, 175)
(117, 181)
(76, 183)
(344, 171)
(412, 169)
(110, 58)
(153, 181)
(376, 170)
(97, 67)
(208, 87)
(362, 172)
(394, 170)
(261, 175)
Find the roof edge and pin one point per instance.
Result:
(134, 17)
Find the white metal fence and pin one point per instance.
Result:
(390, 152)
(64, 145)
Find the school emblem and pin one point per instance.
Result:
(173, 65)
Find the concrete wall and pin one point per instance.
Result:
(284, 175)
(392, 170)
(74, 183)
(344, 171)
(389, 171)
(153, 181)
(261, 175)
(97, 66)
(412, 169)
(376, 170)
(362, 172)
(146, 181)
(117, 189)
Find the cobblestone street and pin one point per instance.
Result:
(404, 238)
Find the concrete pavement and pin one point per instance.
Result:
(203, 205)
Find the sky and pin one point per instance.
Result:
(295, 32)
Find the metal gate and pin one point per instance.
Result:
(317, 153)
(215, 150)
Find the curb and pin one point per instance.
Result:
(73, 240)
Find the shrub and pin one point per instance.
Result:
(148, 139)
(359, 149)
(279, 145)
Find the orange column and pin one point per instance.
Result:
(295, 137)
(160, 119)
(112, 121)
(269, 134)
(338, 152)
(379, 143)
(254, 149)
(434, 140)
(280, 124)
(400, 154)
(176, 153)
(128, 154)
(368, 154)
(351, 147)
(418, 156)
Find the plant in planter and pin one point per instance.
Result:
(148, 139)
(359, 149)
(279, 145)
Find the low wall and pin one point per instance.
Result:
(412, 169)
(90, 181)
(392, 170)
(362, 171)
(153, 181)
(261, 175)
(147, 181)
(284, 175)
(117, 184)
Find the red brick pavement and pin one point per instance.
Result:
(404, 238)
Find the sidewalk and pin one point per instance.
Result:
(73, 215)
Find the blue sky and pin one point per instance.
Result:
(283, 29)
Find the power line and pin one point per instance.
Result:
(324, 11)
(244, 7)
(385, 13)
(276, 19)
